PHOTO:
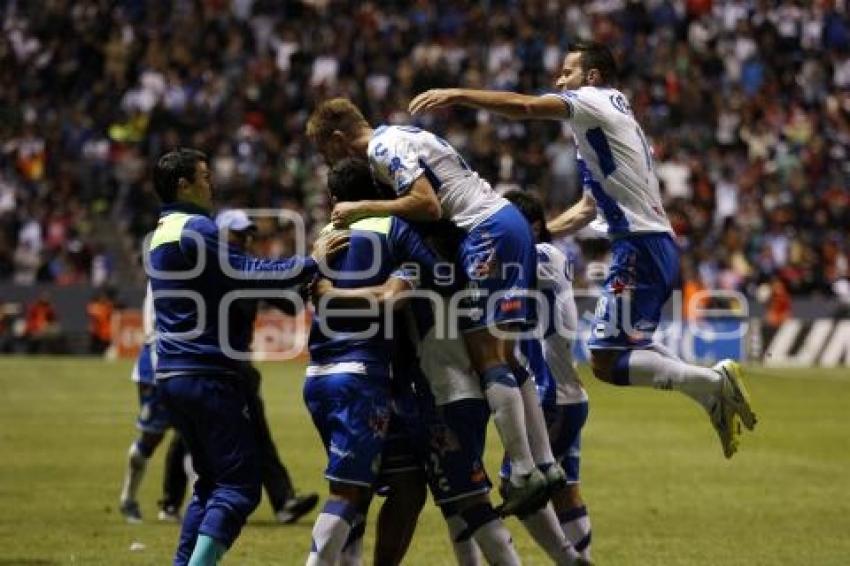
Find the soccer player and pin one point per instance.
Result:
(454, 415)
(287, 506)
(617, 170)
(347, 389)
(433, 181)
(192, 275)
(550, 358)
(152, 422)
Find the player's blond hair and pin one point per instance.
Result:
(332, 115)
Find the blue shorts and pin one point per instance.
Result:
(456, 439)
(564, 423)
(500, 259)
(352, 414)
(644, 271)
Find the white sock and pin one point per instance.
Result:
(352, 552)
(544, 528)
(488, 532)
(330, 532)
(651, 368)
(576, 526)
(535, 424)
(136, 465)
(505, 401)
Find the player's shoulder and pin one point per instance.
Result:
(377, 224)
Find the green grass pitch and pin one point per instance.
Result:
(657, 486)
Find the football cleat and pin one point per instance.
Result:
(527, 497)
(131, 512)
(296, 507)
(726, 424)
(169, 514)
(735, 392)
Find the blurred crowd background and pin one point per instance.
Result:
(746, 104)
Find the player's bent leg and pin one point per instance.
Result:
(474, 519)
(490, 358)
(398, 516)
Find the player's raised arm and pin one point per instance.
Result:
(508, 104)
(574, 218)
(419, 204)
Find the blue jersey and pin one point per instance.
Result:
(378, 247)
(194, 276)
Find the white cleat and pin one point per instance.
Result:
(735, 393)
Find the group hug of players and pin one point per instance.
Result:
(407, 364)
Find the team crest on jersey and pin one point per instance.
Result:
(620, 103)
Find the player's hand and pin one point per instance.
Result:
(345, 213)
(329, 246)
(431, 100)
(320, 287)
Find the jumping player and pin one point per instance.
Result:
(618, 173)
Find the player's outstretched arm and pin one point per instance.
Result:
(508, 104)
(574, 218)
(419, 204)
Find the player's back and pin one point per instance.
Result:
(401, 154)
(616, 161)
(550, 357)
(377, 248)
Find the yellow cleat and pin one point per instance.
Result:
(727, 425)
(735, 392)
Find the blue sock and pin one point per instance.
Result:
(208, 551)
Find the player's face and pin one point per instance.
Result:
(200, 191)
(572, 75)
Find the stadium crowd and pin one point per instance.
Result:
(747, 104)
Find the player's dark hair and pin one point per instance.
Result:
(351, 180)
(180, 163)
(596, 56)
(531, 207)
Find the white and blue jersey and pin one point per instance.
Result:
(616, 164)
(549, 359)
(616, 161)
(549, 355)
(497, 254)
(399, 155)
